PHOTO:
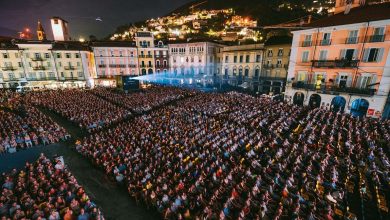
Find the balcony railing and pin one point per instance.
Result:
(117, 65)
(8, 68)
(132, 65)
(146, 66)
(69, 68)
(279, 65)
(37, 59)
(145, 56)
(102, 65)
(268, 66)
(161, 66)
(306, 43)
(39, 68)
(324, 42)
(376, 38)
(40, 78)
(333, 89)
(70, 78)
(351, 40)
(335, 63)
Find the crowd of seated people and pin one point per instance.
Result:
(45, 189)
(233, 156)
(84, 109)
(23, 126)
(143, 100)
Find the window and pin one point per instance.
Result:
(373, 55)
(365, 81)
(280, 52)
(378, 35)
(235, 59)
(352, 37)
(80, 74)
(67, 55)
(323, 55)
(227, 59)
(241, 59)
(47, 55)
(270, 53)
(325, 39)
(247, 58)
(279, 63)
(58, 55)
(5, 55)
(246, 73)
(258, 58)
(307, 41)
(305, 56)
(77, 55)
(349, 54)
(11, 76)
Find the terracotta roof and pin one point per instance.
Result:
(362, 14)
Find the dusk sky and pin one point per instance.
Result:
(18, 14)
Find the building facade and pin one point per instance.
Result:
(145, 45)
(44, 64)
(193, 58)
(276, 57)
(343, 62)
(115, 58)
(242, 65)
(161, 58)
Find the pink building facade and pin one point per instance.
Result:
(115, 59)
(343, 62)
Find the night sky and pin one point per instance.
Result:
(15, 15)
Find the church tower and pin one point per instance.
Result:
(40, 32)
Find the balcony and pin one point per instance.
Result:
(69, 68)
(335, 63)
(37, 59)
(161, 66)
(306, 43)
(117, 65)
(351, 40)
(145, 56)
(40, 78)
(70, 78)
(279, 65)
(39, 68)
(102, 65)
(331, 89)
(146, 66)
(376, 38)
(8, 68)
(132, 65)
(325, 42)
(272, 78)
(268, 66)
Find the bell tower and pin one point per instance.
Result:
(40, 32)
